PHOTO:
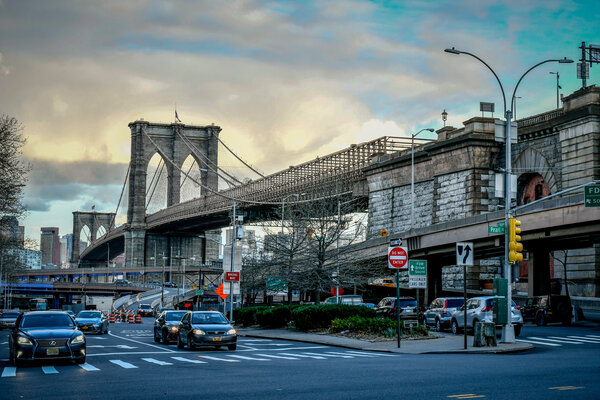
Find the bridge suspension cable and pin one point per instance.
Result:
(239, 158)
(112, 222)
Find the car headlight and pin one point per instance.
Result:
(174, 328)
(78, 339)
(199, 332)
(24, 340)
(231, 332)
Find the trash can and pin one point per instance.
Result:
(484, 335)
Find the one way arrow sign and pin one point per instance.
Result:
(464, 253)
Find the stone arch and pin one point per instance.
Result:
(157, 183)
(189, 188)
(529, 164)
(93, 220)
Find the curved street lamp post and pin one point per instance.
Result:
(508, 333)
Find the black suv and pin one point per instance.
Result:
(548, 308)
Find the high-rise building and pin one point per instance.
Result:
(11, 231)
(50, 246)
(66, 246)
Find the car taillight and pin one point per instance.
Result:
(517, 307)
(487, 309)
(444, 312)
(394, 309)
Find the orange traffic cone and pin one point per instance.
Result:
(138, 318)
(111, 318)
(131, 318)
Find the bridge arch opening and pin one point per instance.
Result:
(190, 175)
(532, 187)
(85, 238)
(157, 177)
(101, 231)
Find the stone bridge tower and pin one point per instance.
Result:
(94, 221)
(174, 143)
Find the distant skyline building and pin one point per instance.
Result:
(50, 246)
(12, 231)
(30, 259)
(66, 246)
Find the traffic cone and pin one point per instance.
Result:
(111, 318)
(138, 318)
(131, 318)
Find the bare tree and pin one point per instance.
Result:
(563, 262)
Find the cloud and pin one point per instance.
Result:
(4, 70)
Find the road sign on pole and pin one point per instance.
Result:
(592, 196)
(232, 276)
(397, 257)
(464, 253)
(417, 274)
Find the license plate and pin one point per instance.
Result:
(84, 327)
(217, 339)
(52, 352)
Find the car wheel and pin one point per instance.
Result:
(540, 319)
(517, 330)
(156, 338)
(567, 322)
(190, 344)
(438, 325)
(80, 361)
(455, 327)
(165, 337)
(179, 342)
(232, 346)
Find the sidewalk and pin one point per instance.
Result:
(440, 343)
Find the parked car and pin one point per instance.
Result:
(388, 307)
(166, 326)
(92, 322)
(348, 299)
(155, 283)
(170, 284)
(439, 313)
(46, 335)
(548, 308)
(122, 282)
(8, 318)
(145, 310)
(160, 311)
(481, 309)
(206, 328)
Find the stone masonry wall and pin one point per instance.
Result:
(450, 197)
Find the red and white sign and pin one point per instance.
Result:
(397, 257)
(232, 276)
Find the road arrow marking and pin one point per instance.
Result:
(9, 372)
(49, 369)
(123, 364)
(88, 367)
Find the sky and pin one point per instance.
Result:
(285, 80)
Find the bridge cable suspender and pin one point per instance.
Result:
(236, 156)
(206, 160)
(112, 223)
(217, 193)
(162, 167)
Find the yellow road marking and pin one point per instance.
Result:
(566, 387)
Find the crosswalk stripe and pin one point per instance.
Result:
(354, 354)
(122, 364)
(49, 369)
(219, 359)
(274, 356)
(378, 354)
(584, 339)
(303, 356)
(88, 367)
(249, 358)
(536, 342)
(9, 372)
(553, 339)
(593, 336)
(566, 340)
(188, 360)
(330, 355)
(154, 361)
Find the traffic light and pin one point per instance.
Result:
(515, 247)
(310, 232)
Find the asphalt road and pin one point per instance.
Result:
(127, 364)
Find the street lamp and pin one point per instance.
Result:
(412, 173)
(444, 117)
(508, 333)
(557, 85)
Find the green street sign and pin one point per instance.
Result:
(276, 284)
(592, 196)
(498, 229)
(417, 267)
(199, 292)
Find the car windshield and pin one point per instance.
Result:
(9, 315)
(208, 318)
(145, 306)
(89, 314)
(407, 303)
(46, 321)
(175, 316)
(454, 303)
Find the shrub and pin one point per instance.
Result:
(247, 316)
(275, 317)
(320, 316)
(362, 325)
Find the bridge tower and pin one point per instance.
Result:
(174, 143)
(94, 221)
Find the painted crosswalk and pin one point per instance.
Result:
(166, 361)
(558, 341)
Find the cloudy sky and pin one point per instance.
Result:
(286, 80)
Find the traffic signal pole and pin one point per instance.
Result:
(508, 330)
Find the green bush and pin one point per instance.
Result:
(276, 317)
(362, 325)
(320, 316)
(247, 316)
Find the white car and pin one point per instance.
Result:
(481, 309)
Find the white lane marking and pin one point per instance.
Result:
(593, 336)
(273, 356)
(49, 369)
(303, 356)
(9, 372)
(330, 355)
(88, 367)
(119, 346)
(345, 354)
(375, 354)
(583, 339)
(188, 360)
(553, 339)
(252, 340)
(219, 359)
(294, 348)
(96, 337)
(4, 343)
(154, 361)
(536, 342)
(146, 344)
(249, 358)
(122, 364)
(125, 353)
(271, 344)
